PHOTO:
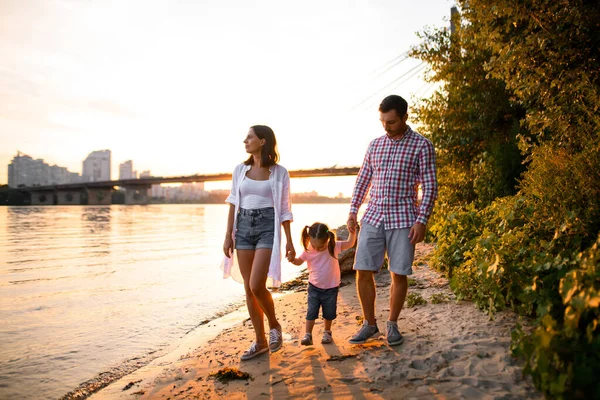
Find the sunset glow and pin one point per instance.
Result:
(175, 86)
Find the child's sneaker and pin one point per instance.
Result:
(327, 337)
(307, 340)
(365, 332)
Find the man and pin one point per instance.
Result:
(394, 165)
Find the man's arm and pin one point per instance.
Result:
(428, 180)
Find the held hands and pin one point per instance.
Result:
(417, 233)
(290, 252)
(351, 223)
(228, 246)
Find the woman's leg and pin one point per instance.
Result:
(258, 285)
(245, 260)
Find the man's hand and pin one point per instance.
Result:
(351, 223)
(228, 246)
(417, 233)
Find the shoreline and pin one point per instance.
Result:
(451, 350)
(195, 337)
(192, 339)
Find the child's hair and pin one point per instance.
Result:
(319, 231)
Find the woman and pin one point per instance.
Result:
(259, 203)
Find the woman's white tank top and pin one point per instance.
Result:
(255, 194)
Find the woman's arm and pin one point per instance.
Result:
(228, 242)
(286, 214)
(290, 252)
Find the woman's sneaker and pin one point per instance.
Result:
(253, 351)
(275, 339)
(365, 332)
(394, 337)
(327, 337)
(307, 340)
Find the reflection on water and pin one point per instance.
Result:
(97, 218)
(92, 289)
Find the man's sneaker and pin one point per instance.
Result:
(275, 339)
(326, 337)
(366, 331)
(253, 351)
(307, 340)
(394, 337)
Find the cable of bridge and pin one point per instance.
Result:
(399, 61)
(419, 68)
(395, 83)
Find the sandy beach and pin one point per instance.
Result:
(451, 351)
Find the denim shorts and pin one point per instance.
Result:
(325, 298)
(374, 243)
(255, 229)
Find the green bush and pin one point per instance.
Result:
(522, 73)
(563, 353)
(566, 185)
(454, 228)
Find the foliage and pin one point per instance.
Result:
(472, 121)
(547, 54)
(563, 352)
(517, 134)
(438, 298)
(565, 184)
(455, 234)
(414, 299)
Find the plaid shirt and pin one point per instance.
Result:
(394, 169)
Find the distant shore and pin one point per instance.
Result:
(14, 197)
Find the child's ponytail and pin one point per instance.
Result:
(305, 237)
(331, 244)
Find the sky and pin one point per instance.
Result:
(175, 85)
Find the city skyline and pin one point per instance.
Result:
(125, 171)
(34, 171)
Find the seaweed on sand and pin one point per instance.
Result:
(227, 374)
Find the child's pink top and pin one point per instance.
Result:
(323, 270)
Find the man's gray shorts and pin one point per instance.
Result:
(374, 242)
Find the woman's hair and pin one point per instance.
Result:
(319, 231)
(269, 155)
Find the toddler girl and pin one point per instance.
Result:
(320, 253)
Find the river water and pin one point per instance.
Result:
(99, 291)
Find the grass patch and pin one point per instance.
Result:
(438, 298)
(415, 299)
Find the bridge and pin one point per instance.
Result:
(136, 190)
